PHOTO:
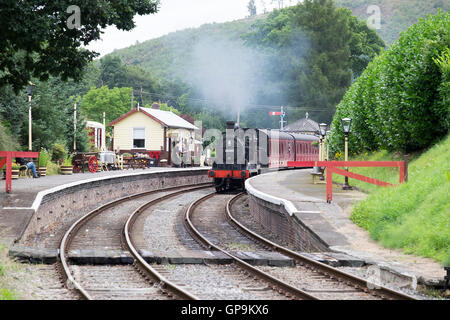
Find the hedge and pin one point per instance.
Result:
(401, 101)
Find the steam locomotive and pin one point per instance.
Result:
(244, 152)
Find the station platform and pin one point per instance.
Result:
(295, 192)
(28, 194)
(24, 190)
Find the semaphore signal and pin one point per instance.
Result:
(282, 114)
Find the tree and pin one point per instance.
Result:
(42, 38)
(251, 8)
(314, 49)
(52, 111)
(114, 73)
(114, 102)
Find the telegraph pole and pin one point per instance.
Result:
(75, 127)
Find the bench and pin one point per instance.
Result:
(315, 175)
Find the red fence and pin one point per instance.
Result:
(332, 167)
(6, 158)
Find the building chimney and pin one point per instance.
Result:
(155, 105)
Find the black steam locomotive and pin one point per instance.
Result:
(244, 152)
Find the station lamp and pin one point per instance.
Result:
(30, 89)
(346, 124)
(323, 129)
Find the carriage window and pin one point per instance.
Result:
(138, 138)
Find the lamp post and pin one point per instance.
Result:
(30, 89)
(327, 157)
(322, 131)
(75, 128)
(346, 124)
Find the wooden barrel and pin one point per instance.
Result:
(43, 171)
(15, 173)
(66, 169)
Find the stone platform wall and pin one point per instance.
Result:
(273, 216)
(59, 204)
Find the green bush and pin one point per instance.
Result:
(401, 101)
(58, 152)
(67, 161)
(44, 157)
(52, 168)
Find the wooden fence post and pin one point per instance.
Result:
(406, 167)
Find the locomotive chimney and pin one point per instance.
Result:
(230, 125)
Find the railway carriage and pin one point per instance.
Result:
(242, 153)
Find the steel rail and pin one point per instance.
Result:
(72, 231)
(325, 269)
(274, 282)
(183, 294)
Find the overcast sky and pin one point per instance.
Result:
(177, 15)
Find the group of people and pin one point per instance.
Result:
(30, 165)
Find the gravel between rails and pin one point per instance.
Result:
(116, 283)
(210, 220)
(317, 284)
(160, 228)
(103, 231)
(220, 282)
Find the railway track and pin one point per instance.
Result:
(110, 227)
(107, 227)
(315, 277)
(278, 286)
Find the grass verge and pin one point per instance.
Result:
(414, 216)
(5, 292)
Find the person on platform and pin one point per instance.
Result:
(30, 165)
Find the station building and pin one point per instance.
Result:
(147, 130)
(303, 126)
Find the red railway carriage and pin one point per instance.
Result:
(243, 153)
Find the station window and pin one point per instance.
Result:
(138, 138)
